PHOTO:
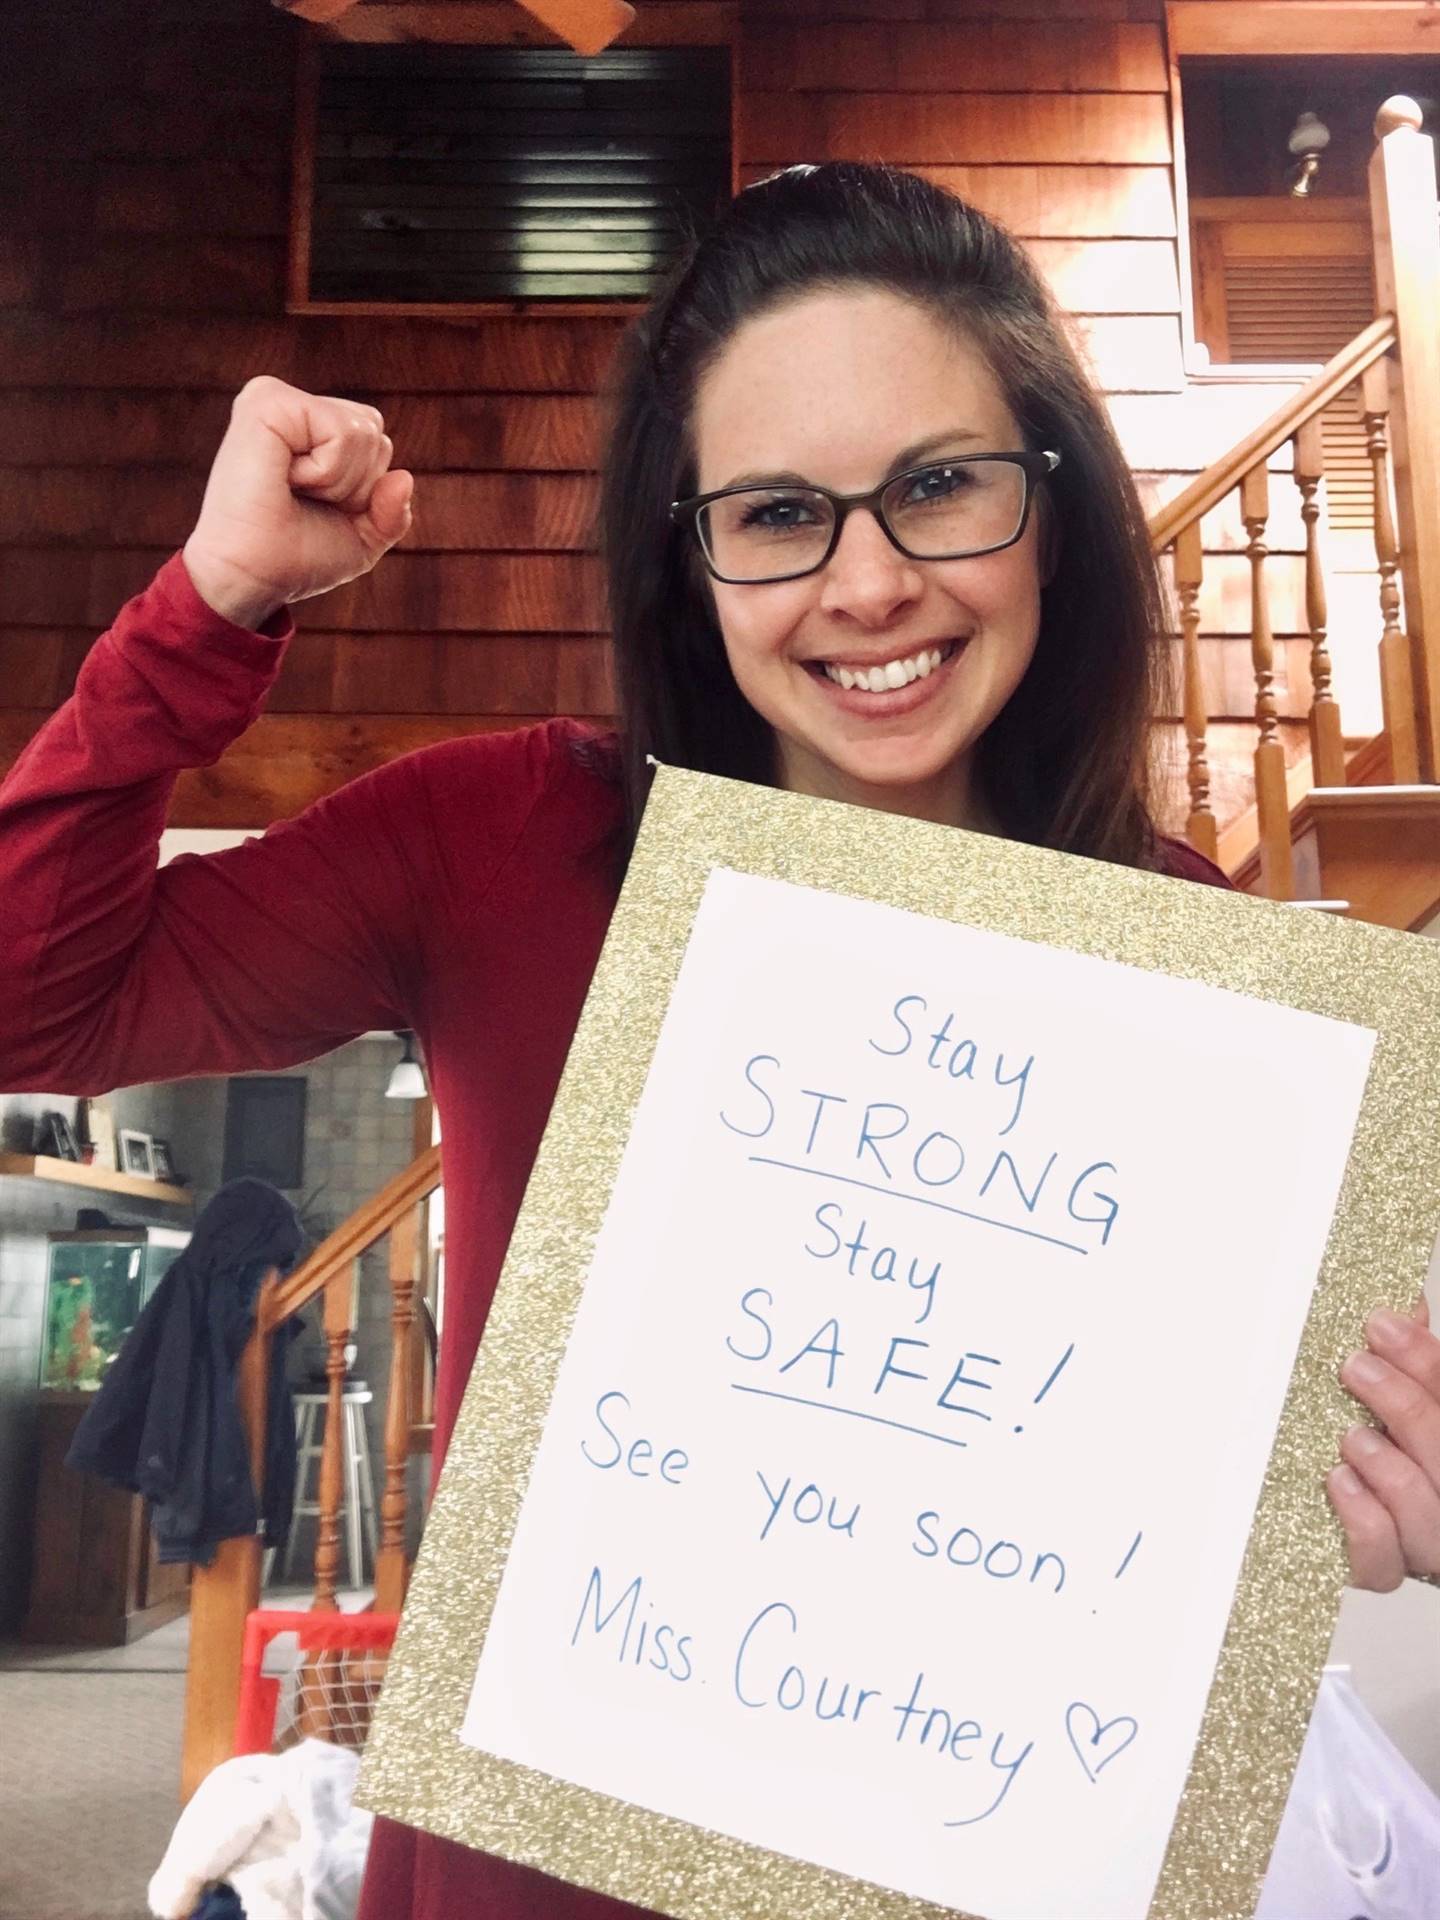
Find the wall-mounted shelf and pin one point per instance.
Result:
(70, 1173)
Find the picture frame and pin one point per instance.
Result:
(162, 1162)
(137, 1154)
(58, 1137)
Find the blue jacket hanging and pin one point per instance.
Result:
(166, 1422)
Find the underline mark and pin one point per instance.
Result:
(828, 1406)
(918, 1200)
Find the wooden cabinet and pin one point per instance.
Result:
(96, 1579)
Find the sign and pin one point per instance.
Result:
(888, 1513)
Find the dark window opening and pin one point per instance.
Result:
(1240, 115)
(478, 174)
(265, 1129)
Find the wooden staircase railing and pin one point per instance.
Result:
(334, 1271)
(1395, 362)
(223, 1594)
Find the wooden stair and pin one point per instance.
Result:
(1377, 848)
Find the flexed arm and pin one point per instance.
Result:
(112, 972)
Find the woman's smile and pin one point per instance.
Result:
(882, 686)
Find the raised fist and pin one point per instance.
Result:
(301, 498)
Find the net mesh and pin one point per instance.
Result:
(328, 1696)
(311, 1676)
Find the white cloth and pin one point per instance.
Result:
(1361, 1835)
(280, 1829)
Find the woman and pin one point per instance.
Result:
(907, 569)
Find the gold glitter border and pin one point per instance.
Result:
(416, 1770)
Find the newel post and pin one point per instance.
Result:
(223, 1594)
(1407, 284)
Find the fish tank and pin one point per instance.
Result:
(98, 1281)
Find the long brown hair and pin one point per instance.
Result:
(1065, 764)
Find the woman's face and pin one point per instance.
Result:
(842, 389)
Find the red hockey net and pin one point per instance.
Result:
(310, 1676)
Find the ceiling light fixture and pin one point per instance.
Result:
(407, 1080)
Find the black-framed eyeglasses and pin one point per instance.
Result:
(945, 510)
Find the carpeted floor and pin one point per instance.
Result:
(89, 1778)
(90, 1769)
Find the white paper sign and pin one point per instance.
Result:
(892, 1498)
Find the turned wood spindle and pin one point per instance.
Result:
(1327, 748)
(1200, 827)
(1397, 678)
(339, 1296)
(1272, 801)
(390, 1563)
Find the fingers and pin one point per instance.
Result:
(1398, 1379)
(1373, 1541)
(1387, 1492)
(349, 453)
(333, 450)
(387, 518)
(1410, 1503)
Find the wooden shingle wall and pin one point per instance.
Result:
(144, 211)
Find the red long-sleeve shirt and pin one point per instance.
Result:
(463, 891)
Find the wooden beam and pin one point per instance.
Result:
(318, 12)
(495, 23)
(1301, 26)
(587, 25)
(1254, 209)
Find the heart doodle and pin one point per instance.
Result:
(1083, 1725)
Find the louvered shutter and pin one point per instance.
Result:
(475, 174)
(1301, 307)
